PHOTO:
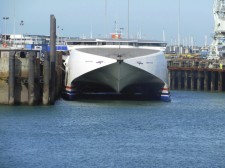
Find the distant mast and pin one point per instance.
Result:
(106, 20)
(178, 33)
(164, 37)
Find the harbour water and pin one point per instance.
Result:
(188, 132)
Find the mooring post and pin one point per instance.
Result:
(52, 57)
(46, 79)
(31, 74)
(11, 77)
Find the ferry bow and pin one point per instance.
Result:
(117, 67)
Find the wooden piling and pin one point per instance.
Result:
(186, 80)
(173, 79)
(212, 81)
(197, 74)
(11, 77)
(179, 80)
(199, 81)
(192, 80)
(206, 81)
(220, 82)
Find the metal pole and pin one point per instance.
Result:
(62, 37)
(128, 20)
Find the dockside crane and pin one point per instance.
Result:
(217, 49)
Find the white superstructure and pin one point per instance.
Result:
(116, 66)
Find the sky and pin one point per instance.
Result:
(81, 18)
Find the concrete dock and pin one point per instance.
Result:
(25, 78)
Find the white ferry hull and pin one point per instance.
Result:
(115, 73)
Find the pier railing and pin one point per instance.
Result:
(200, 64)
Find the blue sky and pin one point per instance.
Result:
(78, 17)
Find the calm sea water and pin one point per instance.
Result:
(188, 132)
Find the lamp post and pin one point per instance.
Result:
(62, 37)
(58, 34)
(21, 24)
(5, 18)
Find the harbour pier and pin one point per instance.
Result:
(30, 76)
(25, 78)
(196, 74)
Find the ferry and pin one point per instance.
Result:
(116, 66)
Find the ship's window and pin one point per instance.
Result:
(74, 43)
(81, 43)
(124, 43)
(132, 44)
(101, 43)
(116, 43)
(109, 43)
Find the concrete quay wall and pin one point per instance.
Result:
(25, 78)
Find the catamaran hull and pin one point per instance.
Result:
(129, 77)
